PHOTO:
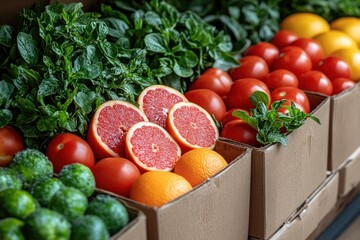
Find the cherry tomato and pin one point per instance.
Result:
(265, 50)
(228, 116)
(294, 59)
(241, 90)
(250, 67)
(115, 175)
(214, 79)
(209, 100)
(316, 81)
(311, 47)
(11, 142)
(67, 148)
(283, 38)
(334, 67)
(293, 94)
(281, 78)
(240, 131)
(341, 84)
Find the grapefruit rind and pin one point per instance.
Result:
(101, 149)
(161, 119)
(136, 159)
(183, 142)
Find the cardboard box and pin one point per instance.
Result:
(344, 126)
(216, 209)
(350, 174)
(282, 178)
(305, 221)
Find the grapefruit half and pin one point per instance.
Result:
(156, 101)
(192, 126)
(109, 125)
(151, 147)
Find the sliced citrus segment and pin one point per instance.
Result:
(151, 147)
(192, 126)
(156, 101)
(109, 125)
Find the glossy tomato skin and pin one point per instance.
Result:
(240, 131)
(334, 67)
(293, 94)
(265, 50)
(250, 67)
(283, 38)
(115, 174)
(316, 81)
(241, 90)
(281, 78)
(214, 79)
(294, 59)
(311, 47)
(341, 84)
(11, 142)
(68, 148)
(229, 117)
(209, 100)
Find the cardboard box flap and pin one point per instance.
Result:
(350, 174)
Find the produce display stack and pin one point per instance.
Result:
(164, 120)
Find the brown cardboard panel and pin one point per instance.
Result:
(216, 209)
(350, 174)
(136, 229)
(282, 178)
(315, 210)
(344, 126)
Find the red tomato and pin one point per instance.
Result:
(241, 90)
(214, 79)
(11, 142)
(311, 47)
(293, 59)
(228, 116)
(288, 103)
(293, 94)
(341, 84)
(334, 67)
(240, 131)
(316, 81)
(209, 100)
(250, 67)
(67, 148)
(281, 78)
(283, 38)
(115, 175)
(265, 50)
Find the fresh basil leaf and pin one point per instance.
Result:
(48, 86)
(259, 96)
(277, 137)
(182, 71)
(5, 117)
(187, 59)
(116, 27)
(6, 89)
(155, 42)
(27, 48)
(85, 100)
(6, 35)
(153, 19)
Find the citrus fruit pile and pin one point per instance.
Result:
(34, 204)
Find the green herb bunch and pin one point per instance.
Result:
(270, 123)
(180, 45)
(59, 67)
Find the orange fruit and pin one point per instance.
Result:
(191, 126)
(109, 125)
(156, 101)
(157, 188)
(151, 147)
(352, 57)
(199, 164)
(349, 25)
(334, 40)
(306, 25)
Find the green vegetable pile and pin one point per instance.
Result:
(62, 63)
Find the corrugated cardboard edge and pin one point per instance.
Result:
(305, 221)
(271, 205)
(350, 174)
(216, 209)
(344, 135)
